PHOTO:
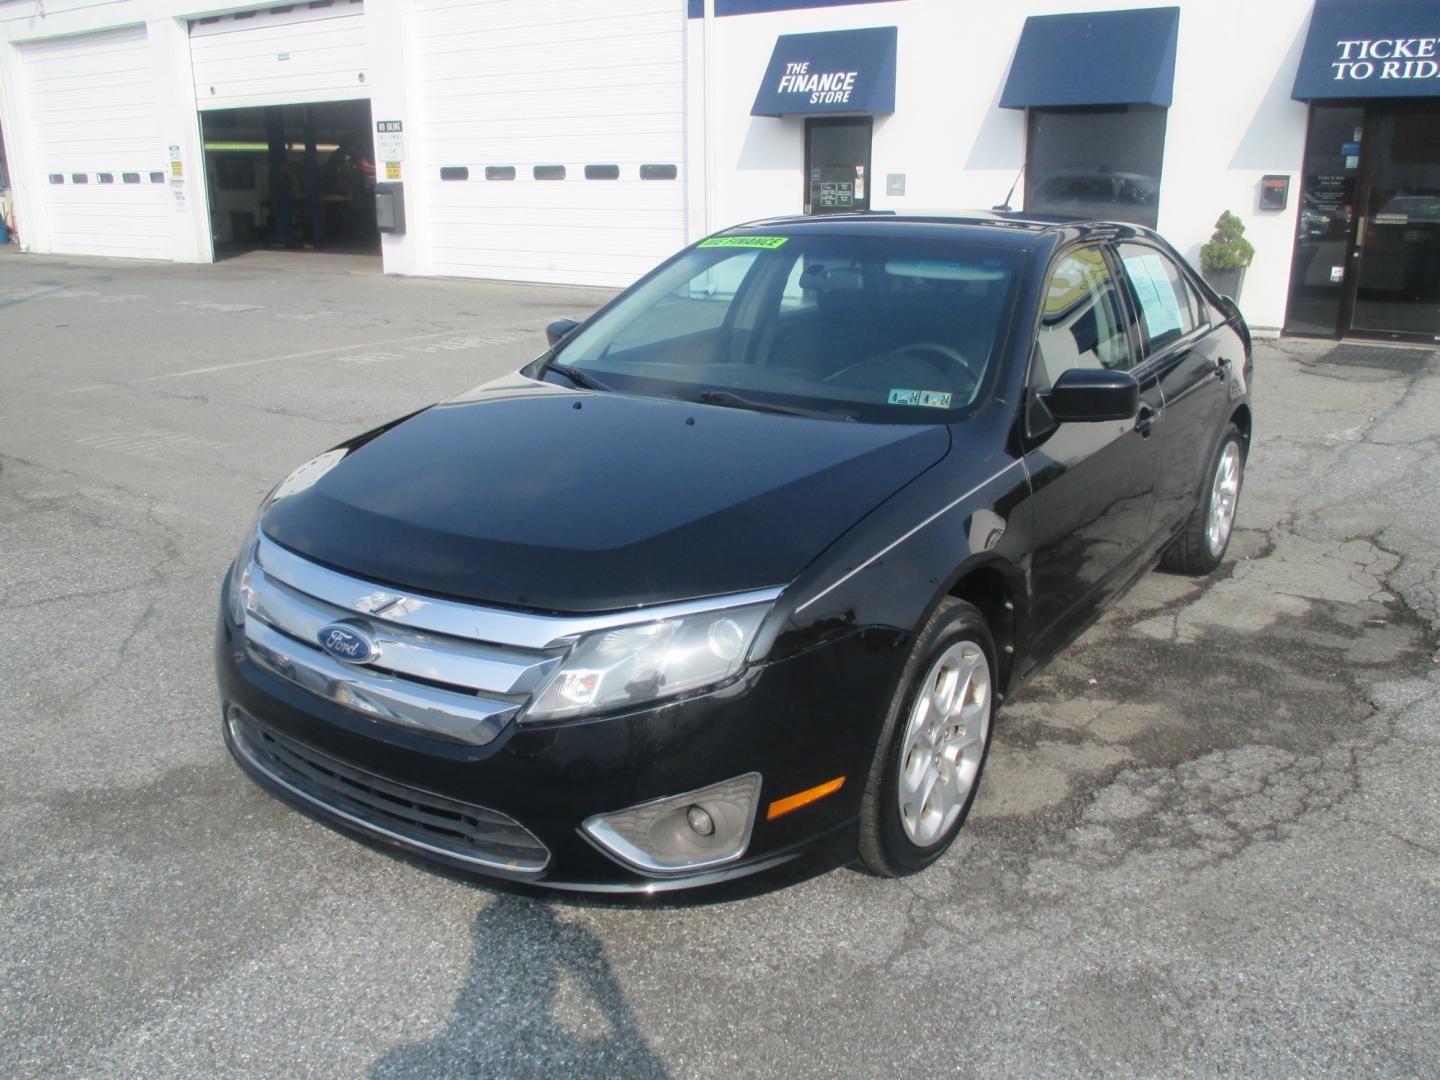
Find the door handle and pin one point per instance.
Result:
(1222, 367)
(1146, 420)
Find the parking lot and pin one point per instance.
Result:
(1208, 839)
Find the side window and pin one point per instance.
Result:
(1082, 325)
(1167, 307)
(693, 307)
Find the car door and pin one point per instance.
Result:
(1093, 484)
(1186, 359)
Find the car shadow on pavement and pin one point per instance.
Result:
(539, 1000)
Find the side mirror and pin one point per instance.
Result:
(556, 329)
(1084, 395)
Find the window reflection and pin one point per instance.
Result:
(1096, 163)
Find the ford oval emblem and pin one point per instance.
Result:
(348, 643)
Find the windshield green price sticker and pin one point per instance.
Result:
(766, 242)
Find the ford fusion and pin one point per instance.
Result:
(748, 560)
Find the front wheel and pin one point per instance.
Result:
(1200, 548)
(927, 765)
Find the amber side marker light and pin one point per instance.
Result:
(803, 798)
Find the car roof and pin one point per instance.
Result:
(1006, 228)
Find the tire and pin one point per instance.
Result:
(955, 646)
(1196, 550)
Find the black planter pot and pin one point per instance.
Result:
(1226, 282)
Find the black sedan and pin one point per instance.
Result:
(747, 559)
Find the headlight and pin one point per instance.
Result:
(238, 593)
(303, 477)
(648, 661)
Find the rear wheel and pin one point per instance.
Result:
(927, 765)
(1201, 547)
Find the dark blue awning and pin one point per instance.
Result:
(1095, 58)
(1370, 49)
(839, 71)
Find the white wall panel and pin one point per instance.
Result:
(281, 58)
(92, 113)
(567, 82)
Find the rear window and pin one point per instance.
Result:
(873, 328)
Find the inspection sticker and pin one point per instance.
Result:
(934, 399)
(766, 242)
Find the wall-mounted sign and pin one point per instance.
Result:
(177, 178)
(390, 140)
(1380, 48)
(895, 183)
(841, 71)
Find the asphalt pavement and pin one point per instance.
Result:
(1208, 840)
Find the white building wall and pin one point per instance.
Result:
(166, 26)
(394, 95)
(1231, 122)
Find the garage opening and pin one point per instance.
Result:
(297, 177)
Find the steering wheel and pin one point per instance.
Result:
(939, 356)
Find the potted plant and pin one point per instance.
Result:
(1225, 256)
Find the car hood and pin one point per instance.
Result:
(528, 495)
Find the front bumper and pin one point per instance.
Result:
(798, 723)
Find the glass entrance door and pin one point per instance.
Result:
(837, 164)
(1329, 187)
(1397, 281)
(1367, 244)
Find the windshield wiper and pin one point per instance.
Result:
(735, 401)
(578, 377)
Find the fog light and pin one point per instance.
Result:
(700, 821)
(685, 832)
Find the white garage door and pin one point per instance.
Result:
(582, 103)
(286, 56)
(99, 161)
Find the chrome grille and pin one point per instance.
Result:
(459, 670)
(436, 823)
(459, 687)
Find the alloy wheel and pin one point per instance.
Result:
(1224, 493)
(944, 742)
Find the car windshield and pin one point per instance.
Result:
(869, 328)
